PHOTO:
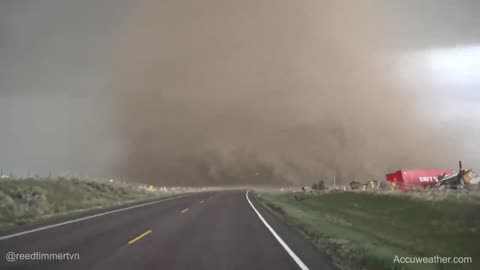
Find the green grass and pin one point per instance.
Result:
(366, 231)
(28, 201)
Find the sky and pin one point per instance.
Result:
(231, 92)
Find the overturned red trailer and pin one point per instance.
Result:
(412, 179)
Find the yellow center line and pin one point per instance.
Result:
(185, 210)
(139, 237)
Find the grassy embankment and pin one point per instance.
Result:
(367, 231)
(30, 201)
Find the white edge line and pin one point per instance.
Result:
(279, 239)
(89, 217)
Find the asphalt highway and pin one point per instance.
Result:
(208, 230)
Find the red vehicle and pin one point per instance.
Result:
(411, 179)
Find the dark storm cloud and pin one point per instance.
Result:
(54, 59)
(229, 92)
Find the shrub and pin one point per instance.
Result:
(319, 186)
(355, 185)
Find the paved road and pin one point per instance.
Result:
(212, 231)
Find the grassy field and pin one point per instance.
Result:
(367, 231)
(28, 201)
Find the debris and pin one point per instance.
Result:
(412, 179)
(372, 184)
(459, 180)
(382, 185)
(306, 189)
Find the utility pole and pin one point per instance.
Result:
(334, 182)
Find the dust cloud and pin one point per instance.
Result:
(183, 92)
(220, 92)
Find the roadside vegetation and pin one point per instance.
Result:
(28, 201)
(363, 230)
